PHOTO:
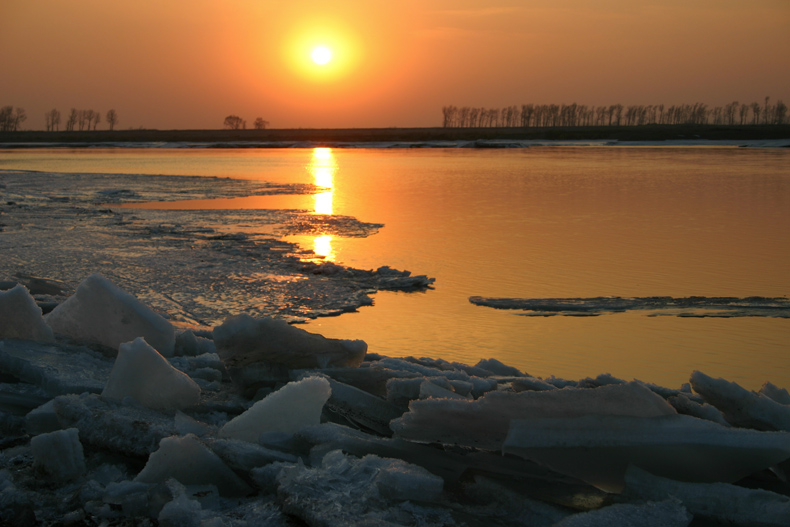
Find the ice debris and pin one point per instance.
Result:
(335, 440)
(142, 373)
(20, 317)
(100, 312)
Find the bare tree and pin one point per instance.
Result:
(234, 122)
(111, 118)
(96, 119)
(72, 121)
(260, 124)
(52, 120)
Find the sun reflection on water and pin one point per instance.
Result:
(322, 167)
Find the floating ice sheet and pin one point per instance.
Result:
(695, 306)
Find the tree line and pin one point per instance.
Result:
(234, 122)
(553, 115)
(11, 119)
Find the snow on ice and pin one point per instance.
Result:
(323, 434)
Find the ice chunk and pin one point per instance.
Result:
(295, 405)
(58, 454)
(189, 462)
(243, 341)
(740, 406)
(668, 513)
(721, 502)
(102, 313)
(498, 368)
(598, 449)
(42, 419)
(243, 455)
(58, 369)
(180, 512)
(429, 389)
(20, 317)
(141, 372)
(772, 391)
(484, 423)
(363, 486)
(110, 425)
(187, 343)
(685, 405)
(531, 384)
(361, 408)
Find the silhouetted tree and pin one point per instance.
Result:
(234, 122)
(10, 119)
(52, 120)
(111, 118)
(72, 121)
(260, 124)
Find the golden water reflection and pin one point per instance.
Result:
(322, 168)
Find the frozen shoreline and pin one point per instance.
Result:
(257, 423)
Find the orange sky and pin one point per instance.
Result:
(171, 64)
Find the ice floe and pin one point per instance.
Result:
(260, 423)
(695, 306)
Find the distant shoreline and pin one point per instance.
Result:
(361, 135)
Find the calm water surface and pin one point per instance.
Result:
(538, 222)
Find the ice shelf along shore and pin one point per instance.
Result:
(110, 415)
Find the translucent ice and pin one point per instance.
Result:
(187, 460)
(598, 449)
(58, 454)
(740, 406)
(102, 313)
(484, 423)
(142, 373)
(295, 405)
(20, 317)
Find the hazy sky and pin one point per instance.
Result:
(174, 64)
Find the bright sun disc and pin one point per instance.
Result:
(321, 55)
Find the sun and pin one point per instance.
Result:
(321, 55)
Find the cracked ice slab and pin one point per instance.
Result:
(694, 306)
(598, 449)
(484, 423)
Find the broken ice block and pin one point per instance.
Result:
(190, 463)
(598, 449)
(100, 312)
(244, 343)
(58, 454)
(292, 407)
(20, 317)
(142, 373)
(484, 423)
(740, 406)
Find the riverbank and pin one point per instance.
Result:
(341, 135)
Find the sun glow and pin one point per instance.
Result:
(321, 55)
